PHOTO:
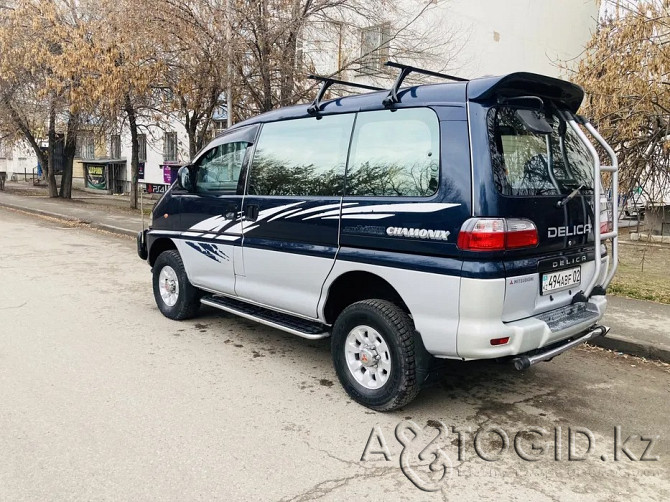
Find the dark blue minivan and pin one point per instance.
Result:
(462, 220)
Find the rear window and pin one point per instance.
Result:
(531, 164)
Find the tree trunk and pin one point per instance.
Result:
(264, 58)
(25, 130)
(51, 173)
(192, 129)
(288, 68)
(201, 136)
(135, 151)
(69, 150)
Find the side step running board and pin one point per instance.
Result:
(285, 322)
(525, 361)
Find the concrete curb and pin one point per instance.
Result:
(52, 214)
(41, 212)
(113, 229)
(632, 347)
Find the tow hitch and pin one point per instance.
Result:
(525, 361)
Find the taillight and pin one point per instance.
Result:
(497, 234)
(521, 234)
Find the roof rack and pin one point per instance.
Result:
(406, 70)
(315, 107)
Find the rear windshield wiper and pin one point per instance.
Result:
(570, 196)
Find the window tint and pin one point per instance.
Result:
(527, 163)
(395, 153)
(302, 157)
(219, 168)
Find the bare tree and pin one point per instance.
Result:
(40, 45)
(280, 42)
(626, 75)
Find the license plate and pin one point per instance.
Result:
(563, 279)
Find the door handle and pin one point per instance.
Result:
(251, 212)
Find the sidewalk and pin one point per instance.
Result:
(639, 327)
(104, 212)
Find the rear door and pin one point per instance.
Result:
(291, 212)
(548, 178)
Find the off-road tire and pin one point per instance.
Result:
(188, 300)
(398, 331)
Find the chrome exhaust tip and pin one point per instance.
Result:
(521, 363)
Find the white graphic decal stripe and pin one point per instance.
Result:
(228, 238)
(379, 216)
(213, 224)
(325, 212)
(412, 207)
(266, 213)
(325, 207)
(284, 215)
(216, 223)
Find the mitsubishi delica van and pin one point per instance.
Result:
(461, 220)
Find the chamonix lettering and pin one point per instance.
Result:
(418, 233)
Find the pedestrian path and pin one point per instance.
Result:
(85, 210)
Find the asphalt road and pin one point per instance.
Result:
(101, 397)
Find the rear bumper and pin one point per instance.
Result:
(477, 329)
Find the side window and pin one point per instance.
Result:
(219, 168)
(302, 157)
(395, 154)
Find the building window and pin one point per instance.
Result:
(142, 147)
(115, 147)
(375, 41)
(85, 146)
(170, 147)
(5, 151)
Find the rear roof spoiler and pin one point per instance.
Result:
(561, 92)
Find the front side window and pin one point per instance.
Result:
(219, 168)
(527, 163)
(395, 154)
(301, 157)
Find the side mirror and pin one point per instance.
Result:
(184, 178)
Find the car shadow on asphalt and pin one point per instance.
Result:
(447, 379)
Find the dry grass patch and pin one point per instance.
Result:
(643, 273)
